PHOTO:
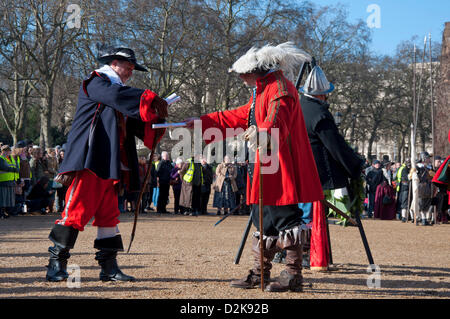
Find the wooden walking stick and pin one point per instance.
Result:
(261, 232)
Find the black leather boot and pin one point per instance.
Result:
(64, 239)
(57, 264)
(107, 259)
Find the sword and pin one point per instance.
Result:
(169, 125)
(243, 240)
(228, 214)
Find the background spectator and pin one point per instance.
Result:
(156, 159)
(61, 192)
(163, 178)
(148, 191)
(191, 188)
(9, 173)
(206, 186)
(373, 178)
(37, 164)
(40, 197)
(175, 181)
(225, 186)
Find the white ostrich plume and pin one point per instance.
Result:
(285, 57)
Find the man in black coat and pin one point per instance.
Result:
(335, 159)
(100, 156)
(163, 181)
(206, 186)
(374, 178)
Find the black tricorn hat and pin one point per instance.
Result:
(107, 54)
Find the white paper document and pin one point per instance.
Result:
(172, 98)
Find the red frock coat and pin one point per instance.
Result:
(442, 175)
(277, 105)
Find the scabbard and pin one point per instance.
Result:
(243, 240)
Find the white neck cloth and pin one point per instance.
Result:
(111, 74)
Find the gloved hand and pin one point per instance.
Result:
(160, 106)
(251, 136)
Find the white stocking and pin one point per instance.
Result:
(107, 232)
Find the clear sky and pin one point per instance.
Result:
(399, 20)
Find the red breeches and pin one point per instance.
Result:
(90, 196)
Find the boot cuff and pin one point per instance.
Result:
(109, 244)
(270, 241)
(292, 237)
(64, 236)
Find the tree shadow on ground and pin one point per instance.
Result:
(388, 287)
(396, 270)
(74, 254)
(22, 270)
(34, 287)
(62, 288)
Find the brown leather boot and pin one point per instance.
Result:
(291, 278)
(251, 281)
(253, 278)
(286, 282)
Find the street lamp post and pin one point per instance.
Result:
(338, 118)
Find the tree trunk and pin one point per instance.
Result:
(442, 107)
(46, 119)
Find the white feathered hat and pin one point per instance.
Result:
(285, 57)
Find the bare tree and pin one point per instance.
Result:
(16, 72)
(45, 40)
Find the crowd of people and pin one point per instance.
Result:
(27, 185)
(390, 193)
(192, 182)
(102, 174)
(26, 179)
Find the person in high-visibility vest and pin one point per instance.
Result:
(9, 173)
(191, 187)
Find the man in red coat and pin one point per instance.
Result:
(100, 156)
(442, 180)
(274, 109)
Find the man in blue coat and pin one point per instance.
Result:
(100, 157)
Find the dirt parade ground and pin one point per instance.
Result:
(175, 256)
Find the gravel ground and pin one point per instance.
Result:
(177, 256)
